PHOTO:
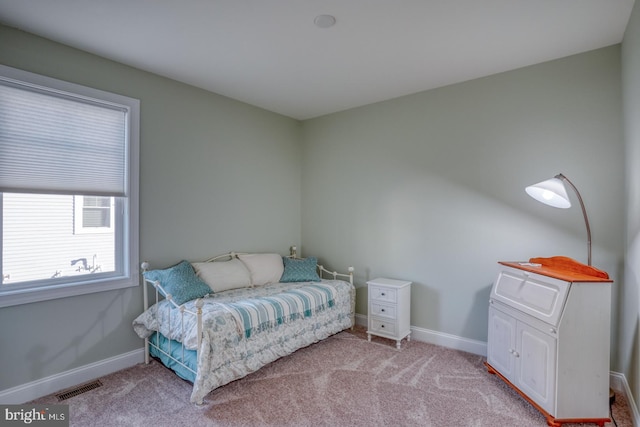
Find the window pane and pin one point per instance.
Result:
(96, 212)
(97, 201)
(39, 240)
(94, 217)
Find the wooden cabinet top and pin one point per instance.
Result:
(562, 268)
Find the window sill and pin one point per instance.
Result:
(36, 294)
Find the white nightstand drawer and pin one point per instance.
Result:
(383, 326)
(383, 310)
(382, 294)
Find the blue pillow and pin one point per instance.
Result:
(180, 281)
(300, 270)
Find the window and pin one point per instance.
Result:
(68, 189)
(93, 214)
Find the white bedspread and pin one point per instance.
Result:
(225, 354)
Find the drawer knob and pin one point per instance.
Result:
(382, 326)
(382, 310)
(382, 293)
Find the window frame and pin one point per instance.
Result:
(128, 222)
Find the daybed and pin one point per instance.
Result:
(219, 320)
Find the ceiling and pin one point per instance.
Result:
(269, 53)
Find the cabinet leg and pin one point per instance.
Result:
(398, 344)
(409, 337)
(369, 337)
(551, 422)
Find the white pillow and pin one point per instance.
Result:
(223, 275)
(264, 268)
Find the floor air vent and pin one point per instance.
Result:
(78, 390)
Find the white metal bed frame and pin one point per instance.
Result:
(159, 291)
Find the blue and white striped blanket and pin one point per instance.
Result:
(261, 313)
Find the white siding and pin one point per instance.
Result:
(38, 240)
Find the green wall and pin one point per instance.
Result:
(216, 175)
(629, 333)
(430, 187)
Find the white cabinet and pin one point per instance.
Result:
(389, 309)
(549, 339)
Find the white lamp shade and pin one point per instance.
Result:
(551, 192)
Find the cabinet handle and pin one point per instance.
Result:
(553, 330)
(516, 354)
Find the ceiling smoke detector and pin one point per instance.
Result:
(324, 21)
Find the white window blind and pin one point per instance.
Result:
(55, 142)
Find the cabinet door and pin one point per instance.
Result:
(502, 342)
(536, 365)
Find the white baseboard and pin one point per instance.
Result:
(449, 341)
(439, 338)
(361, 320)
(33, 390)
(619, 383)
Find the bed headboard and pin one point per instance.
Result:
(293, 253)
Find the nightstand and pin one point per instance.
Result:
(389, 309)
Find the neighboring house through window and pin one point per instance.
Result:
(68, 189)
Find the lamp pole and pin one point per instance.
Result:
(584, 213)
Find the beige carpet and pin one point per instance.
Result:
(342, 381)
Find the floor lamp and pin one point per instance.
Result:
(553, 193)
